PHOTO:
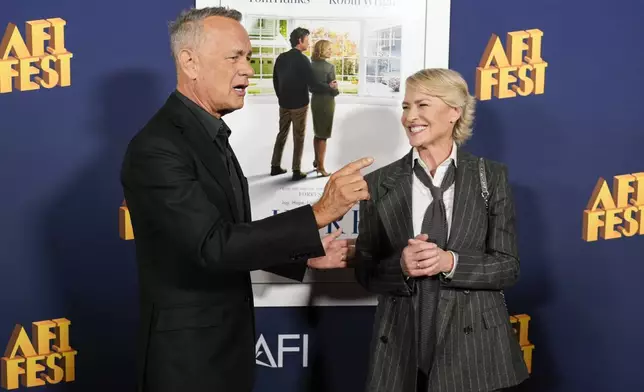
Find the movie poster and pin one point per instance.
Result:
(374, 46)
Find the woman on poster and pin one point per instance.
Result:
(437, 242)
(322, 102)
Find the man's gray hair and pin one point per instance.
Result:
(186, 30)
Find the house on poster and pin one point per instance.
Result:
(374, 42)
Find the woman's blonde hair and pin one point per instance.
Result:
(320, 49)
(451, 88)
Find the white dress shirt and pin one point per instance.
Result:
(421, 196)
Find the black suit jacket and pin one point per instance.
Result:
(194, 257)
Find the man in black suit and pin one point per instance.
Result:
(189, 205)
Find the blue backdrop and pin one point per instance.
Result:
(61, 151)
(581, 295)
(61, 154)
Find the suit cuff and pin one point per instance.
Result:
(450, 275)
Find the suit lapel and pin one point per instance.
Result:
(244, 184)
(396, 196)
(464, 189)
(465, 180)
(195, 135)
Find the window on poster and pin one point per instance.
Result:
(268, 40)
(345, 40)
(366, 54)
(383, 58)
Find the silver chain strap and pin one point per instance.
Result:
(486, 197)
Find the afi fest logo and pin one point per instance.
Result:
(520, 324)
(26, 63)
(264, 356)
(37, 361)
(512, 72)
(617, 214)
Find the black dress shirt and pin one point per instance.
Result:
(219, 133)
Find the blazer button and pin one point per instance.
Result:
(384, 339)
(468, 330)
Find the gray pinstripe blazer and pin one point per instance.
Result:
(476, 349)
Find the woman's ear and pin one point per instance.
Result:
(455, 114)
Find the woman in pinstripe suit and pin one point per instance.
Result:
(437, 243)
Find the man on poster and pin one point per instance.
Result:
(292, 78)
(196, 242)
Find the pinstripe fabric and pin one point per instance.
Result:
(476, 346)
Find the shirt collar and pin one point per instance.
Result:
(214, 126)
(450, 158)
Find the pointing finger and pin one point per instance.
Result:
(354, 166)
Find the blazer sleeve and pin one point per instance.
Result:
(498, 267)
(377, 274)
(160, 182)
(332, 77)
(311, 80)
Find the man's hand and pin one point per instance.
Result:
(334, 84)
(345, 188)
(336, 253)
(351, 253)
(422, 258)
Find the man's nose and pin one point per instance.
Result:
(247, 69)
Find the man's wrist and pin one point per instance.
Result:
(321, 218)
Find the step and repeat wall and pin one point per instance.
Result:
(559, 98)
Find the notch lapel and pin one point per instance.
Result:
(195, 135)
(394, 204)
(245, 192)
(465, 186)
(465, 190)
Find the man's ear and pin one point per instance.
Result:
(188, 63)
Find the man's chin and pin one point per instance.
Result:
(238, 104)
(232, 108)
